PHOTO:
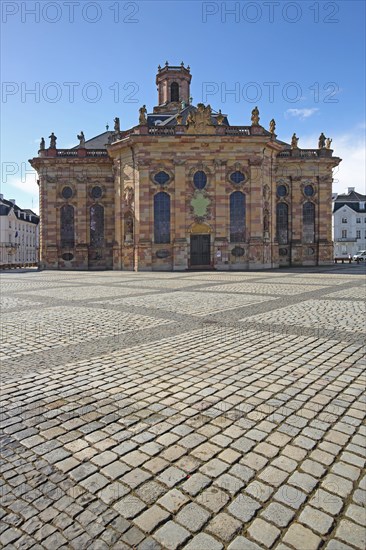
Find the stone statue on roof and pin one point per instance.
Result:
(191, 119)
(42, 145)
(81, 139)
(53, 139)
(272, 126)
(142, 117)
(255, 117)
(321, 142)
(328, 143)
(294, 141)
(117, 127)
(220, 118)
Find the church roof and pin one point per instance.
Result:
(97, 142)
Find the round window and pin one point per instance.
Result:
(200, 180)
(161, 178)
(281, 191)
(96, 192)
(67, 193)
(237, 177)
(67, 256)
(309, 190)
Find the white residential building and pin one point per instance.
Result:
(349, 223)
(19, 234)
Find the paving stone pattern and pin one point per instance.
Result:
(194, 410)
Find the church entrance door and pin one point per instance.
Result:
(200, 250)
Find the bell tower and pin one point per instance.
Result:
(173, 84)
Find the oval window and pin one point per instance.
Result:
(237, 177)
(309, 190)
(281, 191)
(161, 178)
(200, 180)
(67, 193)
(96, 192)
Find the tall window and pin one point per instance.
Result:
(308, 222)
(67, 226)
(162, 218)
(344, 233)
(358, 234)
(282, 223)
(96, 225)
(174, 92)
(237, 217)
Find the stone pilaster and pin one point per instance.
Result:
(180, 246)
(118, 215)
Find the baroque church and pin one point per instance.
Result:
(183, 189)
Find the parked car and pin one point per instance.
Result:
(361, 255)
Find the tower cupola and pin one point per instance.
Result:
(173, 84)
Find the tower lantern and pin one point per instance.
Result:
(173, 84)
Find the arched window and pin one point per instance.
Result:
(282, 223)
(237, 217)
(308, 222)
(174, 92)
(67, 226)
(96, 225)
(162, 218)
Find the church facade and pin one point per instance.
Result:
(183, 189)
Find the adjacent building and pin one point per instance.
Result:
(19, 236)
(349, 223)
(183, 189)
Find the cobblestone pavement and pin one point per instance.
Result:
(183, 410)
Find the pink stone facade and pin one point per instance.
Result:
(124, 172)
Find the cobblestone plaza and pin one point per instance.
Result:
(196, 410)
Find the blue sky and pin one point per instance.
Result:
(302, 63)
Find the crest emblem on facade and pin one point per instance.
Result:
(200, 204)
(199, 121)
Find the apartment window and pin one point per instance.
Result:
(344, 220)
(358, 220)
(358, 234)
(344, 233)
